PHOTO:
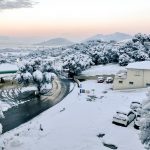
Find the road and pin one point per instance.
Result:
(22, 113)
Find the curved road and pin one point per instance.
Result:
(22, 113)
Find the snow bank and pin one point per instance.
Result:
(4, 106)
(103, 70)
(1, 114)
(30, 88)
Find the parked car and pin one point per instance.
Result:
(136, 106)
(100, 79)
(137, 122)
(124, 117)
(109, 80)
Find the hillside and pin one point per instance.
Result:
(56, 42)
(115, 36)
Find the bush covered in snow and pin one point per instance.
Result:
(124, 59)
(76, 63)
(145, 122)
(38, 73)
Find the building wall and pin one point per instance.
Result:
(146, 78)
(135, 79)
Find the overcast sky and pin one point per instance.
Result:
(73, 18)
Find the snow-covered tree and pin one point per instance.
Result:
(37, 73)
(124, 59)
(141, 56)
(145, 122)
(76, 63)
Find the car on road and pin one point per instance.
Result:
(109, 80)
(124, 117)
(100, 79)
(137, 122)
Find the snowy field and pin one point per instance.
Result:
(75, 122)
(103, 70)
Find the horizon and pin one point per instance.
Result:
(74, 20)
(42, 39)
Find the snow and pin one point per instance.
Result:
(103, 70)
(4, 106)
(77, 126)
(8, 67)
(1, 114)
(139, 65)
(121, 114)
(8, 75)
(48, 76)
(29, 88)
(27, 75)
(46, 86)
(38, 75)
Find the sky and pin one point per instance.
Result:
(73, 19)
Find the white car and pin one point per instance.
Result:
(109, 80)
(135, 105)
(124, 117)
(100, 79)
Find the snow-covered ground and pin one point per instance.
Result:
(75, 122)
(6, 102)
(4, 106)
(103, 70)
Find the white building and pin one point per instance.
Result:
(137, 75)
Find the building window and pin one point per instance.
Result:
(120, 81)
(148, 84)
(137, 73)
(131, 83)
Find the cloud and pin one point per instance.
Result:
(12, 4)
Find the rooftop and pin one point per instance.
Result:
(8, 68)
(139, 65)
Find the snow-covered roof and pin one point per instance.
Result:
(139, 65)
(8, 67)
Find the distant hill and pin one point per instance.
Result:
(115, 36)
(56, 42)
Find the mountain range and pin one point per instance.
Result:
(115, 37)
(56, 42)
